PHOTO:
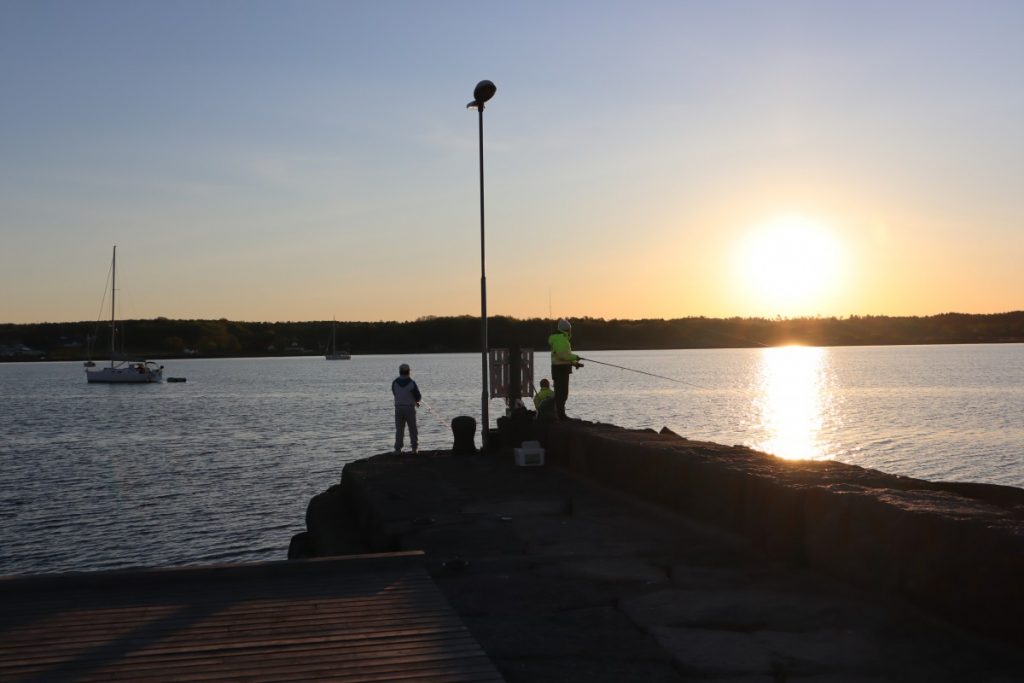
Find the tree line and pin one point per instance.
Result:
(163, 337)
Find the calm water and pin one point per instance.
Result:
(220, 468)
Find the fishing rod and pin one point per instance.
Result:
(651, 374)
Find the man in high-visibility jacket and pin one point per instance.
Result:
(544, 402)
(563, 360)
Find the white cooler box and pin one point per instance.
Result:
(530, 454)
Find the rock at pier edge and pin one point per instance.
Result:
(636, 555)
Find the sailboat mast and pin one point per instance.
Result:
(113, 294)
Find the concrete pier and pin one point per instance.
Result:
(642, 556)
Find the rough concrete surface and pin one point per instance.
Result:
(560, 578)
(955, 549)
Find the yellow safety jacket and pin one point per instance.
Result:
(561, 350)
(542, 394)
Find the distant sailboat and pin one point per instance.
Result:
(123, 371)
(334, 354)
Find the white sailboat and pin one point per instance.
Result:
(334, 354)
(123, 370)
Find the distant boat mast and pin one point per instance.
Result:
(113, 294)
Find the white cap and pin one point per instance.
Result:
(564, 325)
(403, 368)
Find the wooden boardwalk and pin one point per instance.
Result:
(362, 618)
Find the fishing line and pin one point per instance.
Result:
(650, 374)
(733, 337)
(431, 411)
(738, 338)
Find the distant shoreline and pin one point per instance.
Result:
(175, 339)
(163, 357)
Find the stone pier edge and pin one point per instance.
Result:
(954, 549)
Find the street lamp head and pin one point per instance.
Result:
(483, 91)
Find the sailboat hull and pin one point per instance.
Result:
(124, 375)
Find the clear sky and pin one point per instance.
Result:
(260, 160)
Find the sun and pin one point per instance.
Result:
(789, 266)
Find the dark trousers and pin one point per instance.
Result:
(560, 376)
(405, 415)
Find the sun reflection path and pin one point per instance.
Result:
(792, 401)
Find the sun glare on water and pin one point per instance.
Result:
(790, 266)
(794, 402)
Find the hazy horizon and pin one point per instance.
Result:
(495, 315)
(315, 160)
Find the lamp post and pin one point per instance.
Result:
(483, 91)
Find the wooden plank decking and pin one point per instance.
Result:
(363, 618)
